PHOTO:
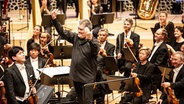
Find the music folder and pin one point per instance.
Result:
(165, 71)
(55, 71)
(102, 18)
(128, 55)
(47, 19)
(63, 52)
(110, 64)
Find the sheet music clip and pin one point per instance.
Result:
(128, 55)
(165, 71)
(102, 18)
(47, 19)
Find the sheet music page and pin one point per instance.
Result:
(53, 71)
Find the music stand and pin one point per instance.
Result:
(128, 55)
(165, 71)
(47, 19)
(110, 64)
(102, 18)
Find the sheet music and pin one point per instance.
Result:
(53, 71)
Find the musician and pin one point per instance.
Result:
(46, 47)
(94, 7)
(83, 67)
(159, 55)
(35, 38)
(35, 60)
(178, 34)
(45, 8)
(168, 25)
(143, 71)
(176, 80)
(17, 76)
(106, 49)
(125, 38)
(182, 48)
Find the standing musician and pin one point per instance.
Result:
(126, 38)
(17, 77)
(159, 55)
(174, 86)
(143, 71)
(165, 24)
(83, 67)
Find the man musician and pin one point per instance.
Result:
(175, 84)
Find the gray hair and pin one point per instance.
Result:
(86, 23)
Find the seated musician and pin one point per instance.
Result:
(175, 82)
(46, 47)
(143, 71)
(17, 78)
(126, 39)
(106, 49)
(35, 60)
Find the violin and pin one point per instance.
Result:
(5, 58)
(3, 99)
(137, 82)
(33, 98)
(171, 96)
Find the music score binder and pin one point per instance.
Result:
(102, 18)
(47, 19)
(167, 71)
(128, 55)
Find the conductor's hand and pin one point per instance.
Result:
(54, 13)
(88, 33)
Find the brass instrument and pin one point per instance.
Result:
(147, 9)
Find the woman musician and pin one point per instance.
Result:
(142, 71)
(173, 93)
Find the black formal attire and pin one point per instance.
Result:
(14, 83)
(125, 65)
(176, 46)
(144, 74)
(102, 89)
(170, 30)
(83, 67)
(177, 86)
(159, 58)
(29, 42)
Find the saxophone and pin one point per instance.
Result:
(147, 9)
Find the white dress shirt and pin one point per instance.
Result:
(176, 71)
(34, 63)
(156, 45)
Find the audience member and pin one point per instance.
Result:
(182, 18)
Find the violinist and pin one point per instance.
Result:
(35, 60)
(175, 81)
(17, 76)
(46, 48)
(128, 37)
(142, 71)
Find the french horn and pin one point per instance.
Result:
(147, 9)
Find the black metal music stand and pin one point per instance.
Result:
(102, 18)
(47, 19)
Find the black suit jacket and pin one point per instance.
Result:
(120, 41)
(178, 86)
(41, 62)
(145, 79)
(14, 82)
(161, 56)
(109, 49)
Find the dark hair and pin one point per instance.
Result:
(129, 20)
(14, 50)
(164, 12)
(35, 46)
(86, 23)
(180, 28)
(39, 27)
